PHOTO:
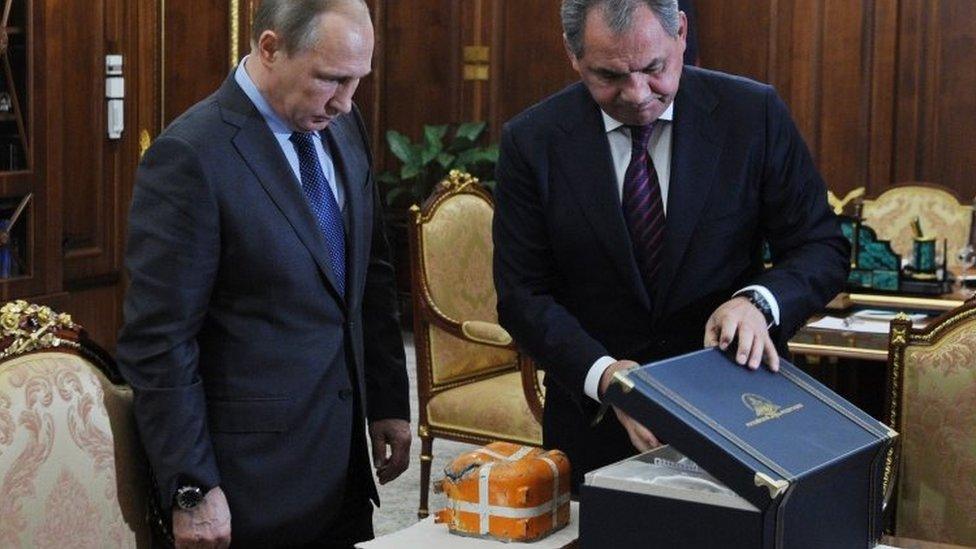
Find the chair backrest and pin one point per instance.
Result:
(932, 403)
(451, 249)
(939, 210)
(71, 471)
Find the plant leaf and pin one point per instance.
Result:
(400, 146)
(466, 158)
(470, 130)
(460, 144)
(428, 155)
(446, 160)
(409, 171)
(491, 153)
(434, 137)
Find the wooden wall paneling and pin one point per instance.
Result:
(89, 157)
(97, 309)
(147, 81)
(803, 94)
(368, 93)
(530, 61)
(935, 106)
(913, 54)
(474, 21)
(421, 79)
(843, 94)
(735, 36)
(102, 171)
(46, 154)
(951, 157)
(884, 31)
(196, 50)
(832, 62)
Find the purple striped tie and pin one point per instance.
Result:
(643, 206)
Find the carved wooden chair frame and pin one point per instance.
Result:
(901, 335)
(425, 311)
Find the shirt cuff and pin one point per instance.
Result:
(591, 386)
(768, 296)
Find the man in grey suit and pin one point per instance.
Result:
(261, 327)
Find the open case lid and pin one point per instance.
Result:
(756, 431)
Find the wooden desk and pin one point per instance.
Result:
(845, 301)
(864, 346)
(840, 344)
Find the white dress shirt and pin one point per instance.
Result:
(659, 147)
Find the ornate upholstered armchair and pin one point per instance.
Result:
(472, 384)
(940, 212)
(932, 403)
(70, 470)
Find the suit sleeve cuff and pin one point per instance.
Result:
(768, 296)
(591, 386)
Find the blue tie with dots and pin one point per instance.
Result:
(323, 204)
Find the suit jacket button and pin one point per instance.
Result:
(344, 394)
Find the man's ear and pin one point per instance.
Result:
(682, 27)
(572, 56)
(268, 47)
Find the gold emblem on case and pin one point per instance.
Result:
(764, 408)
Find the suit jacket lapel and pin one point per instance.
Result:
(260, 151)
(695, 148)
(583, 156)
(348, 164)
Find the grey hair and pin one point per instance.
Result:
(618, 14)
(296, 21)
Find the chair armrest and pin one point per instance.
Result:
(530, 386)
(487, 333)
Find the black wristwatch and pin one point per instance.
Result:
(188, 497)
(760, 302)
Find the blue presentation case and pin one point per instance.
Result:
(806, 464)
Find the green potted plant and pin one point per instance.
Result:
(427, 162)
(423, 165)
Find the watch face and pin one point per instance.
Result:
(188, 497)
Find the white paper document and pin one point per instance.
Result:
(869, 321)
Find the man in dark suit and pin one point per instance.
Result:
(631, 210)
(261, 328)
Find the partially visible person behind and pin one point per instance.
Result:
(261, 331)
(631, 211)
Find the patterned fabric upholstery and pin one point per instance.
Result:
(937, 480)
(68, 473)
(941, 215)
(488, 404)
(472, 385)
(457, 269)
(453, 358)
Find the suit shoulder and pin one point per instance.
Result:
(725, 85)
(198, 125)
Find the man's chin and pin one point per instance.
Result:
(640, 117)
